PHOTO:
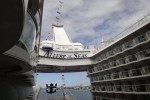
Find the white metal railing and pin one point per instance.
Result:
(123, 74)
(106, 98)
(123, 88)
(141, 22)
(139, 40)
(128, 59)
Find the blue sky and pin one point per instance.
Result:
(88, 22)
(71, 79)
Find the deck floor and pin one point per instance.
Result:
(54, 96)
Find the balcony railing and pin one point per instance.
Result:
(105, 98)
(123, 74)
(126, 46)
(141, 22)
(128, 59)
(123, 88)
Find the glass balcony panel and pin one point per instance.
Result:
(100, 78)
(90, 70)
(132, 58)
(115, 50)
(98, 59)
(147, 86)
(93, 79)
(118, 62)
(104, 67)
(146, 53)
(140, 55)
(135, 72)
(123, 60)
(148, 33)
(111, 53)
(95, 69)
(123, 88)
(113, 63)
(118, 49)
(140, 88)
(107, 66)
(114, 75)
(103, 88)
(131, 73)
(129, 44)
(104, 98)
(93, 88)
(128, 88)
(123, 74)
(140, 39)
(109, 88)
(97, 88)
(104, 55)
(118, 88)
(96, 78)
(108, 76)
(105, 77)
(99, 68)
(107, 54)
(127, 60)
(100, 98)
(145, 70)
(97, 98)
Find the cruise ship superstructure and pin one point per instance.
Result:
(62, 55)
(120, 70)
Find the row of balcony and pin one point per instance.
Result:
(123, 74)
(120, 49)
(105, 98)
(123, 88)
(121, 61)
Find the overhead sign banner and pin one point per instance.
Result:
(66, 56)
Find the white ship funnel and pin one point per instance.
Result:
(60, 36)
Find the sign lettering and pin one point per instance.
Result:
(66, 56)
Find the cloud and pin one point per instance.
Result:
(89, 21)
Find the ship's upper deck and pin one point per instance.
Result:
(62, 58)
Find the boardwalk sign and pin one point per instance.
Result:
(65, 55)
